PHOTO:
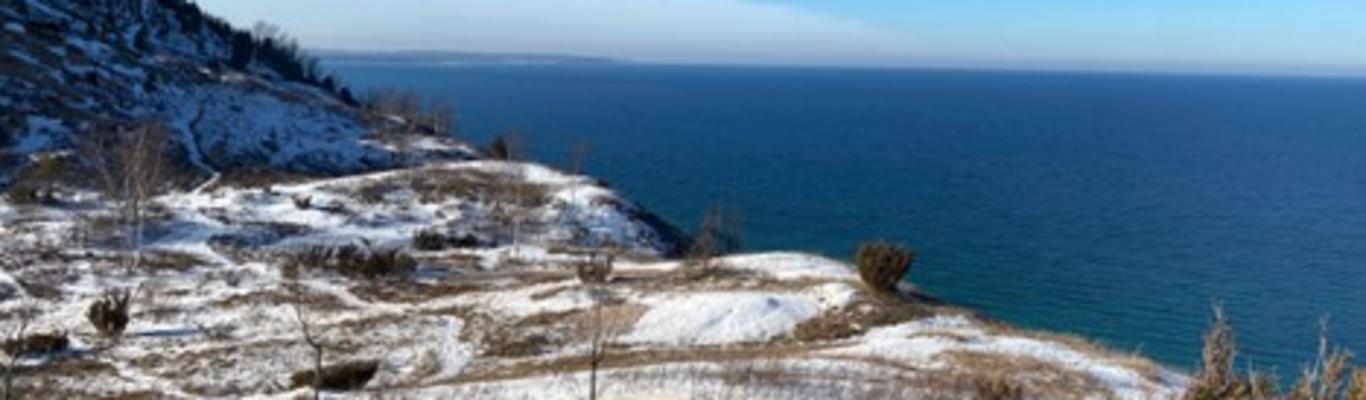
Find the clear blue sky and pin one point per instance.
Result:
(1308, 36)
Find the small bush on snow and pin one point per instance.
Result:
(110, 314)
(882, 265)
(37, 183)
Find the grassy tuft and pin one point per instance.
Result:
(883, 265)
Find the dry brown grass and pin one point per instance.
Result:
(1132, 361)
(439, 184)
(1357, 389)
(535, 334)
(1014, 377)
(41, 381)
(313, 300)
(866, 311)
(405, 291)
(258, 178)
(1325, 379)
(517, 346)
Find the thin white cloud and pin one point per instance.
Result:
(657, 30)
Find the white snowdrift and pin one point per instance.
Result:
(722, 318)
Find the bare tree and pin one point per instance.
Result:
(717, 235)
(263, 31)
(313, 344)
(593, 274)
(128, 164)
(401, 102)
(597, 351)
(578, 156)
(440, 116)
(512, 199)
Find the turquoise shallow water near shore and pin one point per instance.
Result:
(1113, 206)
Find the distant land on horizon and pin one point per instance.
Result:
(449, 57)
(493, 58)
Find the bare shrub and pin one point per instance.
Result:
(302, 202)
(219, 332)
(111, 313)
(717, 235)
(339, 377)
(38, 183)
(883, 265)
(1323, 380)
(595, 270)
(1216, 378)
(513, 199)
(437, 116)
(507, 146)
(402, 102)
(350, 261)
(440, 117)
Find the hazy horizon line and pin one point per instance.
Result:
(1232, 71)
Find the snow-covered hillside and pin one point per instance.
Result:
(214, 316)
(496, 313)
(76, 68)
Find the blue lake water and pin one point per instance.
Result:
(1112, 206)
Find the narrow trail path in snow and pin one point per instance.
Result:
(196, 153)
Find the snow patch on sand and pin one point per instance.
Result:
(790, 265)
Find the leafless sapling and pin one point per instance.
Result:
(313, 344)
(128, 164)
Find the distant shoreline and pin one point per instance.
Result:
(454, 58)
(442, 58)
